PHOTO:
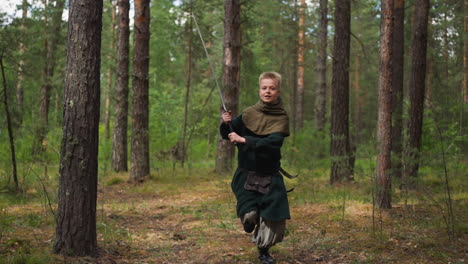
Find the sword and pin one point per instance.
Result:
(213, 73)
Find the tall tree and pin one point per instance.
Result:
(384, 122)
(55, 8)
(188, 76)
(300, 68)
(416, 86)
(110, 70)
(340, 146)
(358, 102)
(76, 222)
(231, 76)
(119, 143)
(140, 100)
(465, 53)
(22, 49)
(9, 125)
(321, 68)
(397, 84)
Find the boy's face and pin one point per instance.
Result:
(269, 91)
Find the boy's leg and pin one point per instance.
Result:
(267, 234)
(249, 220)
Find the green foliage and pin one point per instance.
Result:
(28, 259)
(114, 181)
(111, 233)
(167, 55)
(307, 149)
(269, 42)
(6, 221)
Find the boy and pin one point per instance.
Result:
(262, 202)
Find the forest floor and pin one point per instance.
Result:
(190, 218)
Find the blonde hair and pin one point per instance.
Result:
(271, 75)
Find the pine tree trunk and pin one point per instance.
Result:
(416, 88)
(384, 123)
(21, 49)
(357, 100)
(56, 106)
(300, 68)
(428, 94)
(292, 76)
(290, 73)
(321, 85)
(110, 72)
(119, 144)
(9, 126)
(446, 48)
(465, 53)
(76, 222)
(231, 77)
(50, 48)
(188, 74)
(397, 84)
(140, 100)
(41, 126)
(340, 146)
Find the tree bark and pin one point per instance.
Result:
(340, 146)
(384, 123)
(110, 71)
(188, 74)
(291, 76)
(50, 48)
(119, 144)
(446, 47)
(231, 77)
(9, 126)
(397, 84)
(300, 68)
(428, 97)
(357, 100)
(465, 53)
(140, 100)
(416, 87)
(76, 222)
(22, 49)
(321, 68)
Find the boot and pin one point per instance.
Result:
(265, 256)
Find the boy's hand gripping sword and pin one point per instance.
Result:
(283, 172)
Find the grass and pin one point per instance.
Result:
(28, 259)
(188, 216)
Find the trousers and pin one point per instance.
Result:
(267, 233)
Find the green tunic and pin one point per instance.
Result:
(261, 154)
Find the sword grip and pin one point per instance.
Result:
(231, 129)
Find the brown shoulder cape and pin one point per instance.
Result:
(264, 119)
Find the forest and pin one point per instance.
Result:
(110, 114)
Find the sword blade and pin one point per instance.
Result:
(213, 73)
